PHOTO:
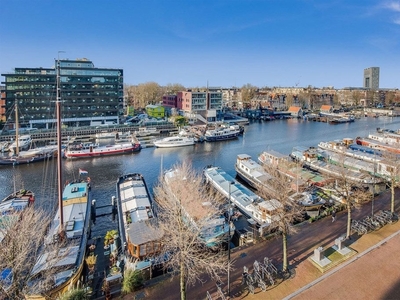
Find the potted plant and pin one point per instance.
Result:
(91, 261)
(109, 237)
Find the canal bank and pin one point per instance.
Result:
(366, 275)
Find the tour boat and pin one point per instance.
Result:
(221, 134)
(174, 141)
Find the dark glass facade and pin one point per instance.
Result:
(89, 95)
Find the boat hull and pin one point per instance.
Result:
(77, 209)
(230, 136)
(172, 142)
(135, 213)
(246, 178)
(24, 160)
(103, 151)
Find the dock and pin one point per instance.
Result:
(50, 135)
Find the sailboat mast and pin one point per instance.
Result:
(16, 126)
(59, 153)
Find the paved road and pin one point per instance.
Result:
(301, 246)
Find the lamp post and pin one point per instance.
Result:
(229, 237)
(373, 185)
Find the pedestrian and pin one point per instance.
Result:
(333, 216)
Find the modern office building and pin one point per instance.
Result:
(371, 78)
(201, 104)
(89, 95)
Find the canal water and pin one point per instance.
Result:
(278, 135)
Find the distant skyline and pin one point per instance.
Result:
(223, 43)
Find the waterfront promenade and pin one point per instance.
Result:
(372, 273)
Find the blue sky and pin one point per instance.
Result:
(223, 42)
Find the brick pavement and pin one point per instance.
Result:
(347, 281)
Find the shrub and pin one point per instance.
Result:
(133, 280)
(74, 294)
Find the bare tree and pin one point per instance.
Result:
(286, 212)
(174, 88)
(356, 97)
(389, 167)
(23, 235)
(349, 186)
(248, 93)
(185, 208)
(143, 94)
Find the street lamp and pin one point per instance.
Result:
(229, 236)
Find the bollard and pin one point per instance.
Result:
(318, 254)
(339, 243)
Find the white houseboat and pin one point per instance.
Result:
(257, 210)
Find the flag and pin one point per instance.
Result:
(82, 172)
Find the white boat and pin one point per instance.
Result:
(174, 141)
(221, 133)
(251, 172)
(214, 228)
(257, 210)
(24, 142)
(146, 131)
(136, 221)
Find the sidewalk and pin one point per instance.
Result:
(372, 273)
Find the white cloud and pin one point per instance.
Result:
(392, 5)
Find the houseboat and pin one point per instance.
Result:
(96, 151)
(257, 210)
(318, 161)
(136, 221)
(350, 150)
(301, 178)
(12, 205)
(213, 228)
(251, 172)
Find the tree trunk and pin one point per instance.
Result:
(392, 198)
(183, 281)
(285, 258)
(348, 219)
